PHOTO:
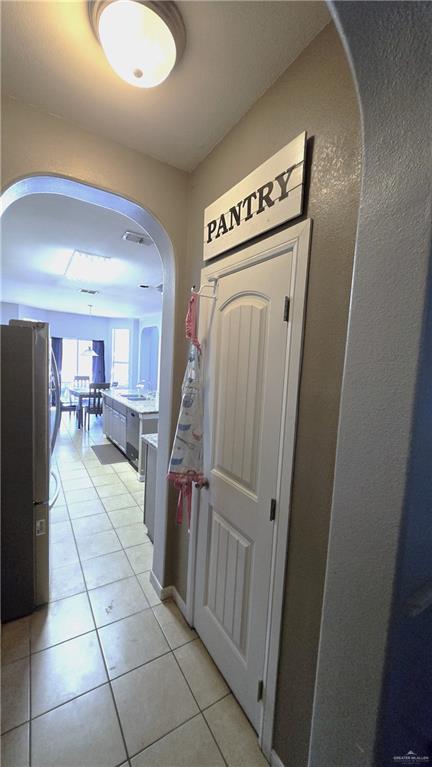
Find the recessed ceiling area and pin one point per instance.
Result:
(234, 52)
(39, 234)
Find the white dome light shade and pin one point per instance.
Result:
(137, 43)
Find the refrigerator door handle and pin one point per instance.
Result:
(53, 500)
(57, 392)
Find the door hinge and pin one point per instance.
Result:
(260, 690)
(272, 509)
(40, 527)
(286, 309)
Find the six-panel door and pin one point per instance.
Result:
(245, 356)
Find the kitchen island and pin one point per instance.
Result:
(127, 416)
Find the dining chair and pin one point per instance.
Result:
(67, 405)
(93, 405)
(81, 380)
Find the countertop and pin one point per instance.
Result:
(139, 406)
(152, 439)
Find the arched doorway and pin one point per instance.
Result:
(67, 187)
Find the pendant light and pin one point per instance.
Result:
(89, 352)
(141, 40)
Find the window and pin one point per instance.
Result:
(74, 362)
(120, 356)
(149, 358)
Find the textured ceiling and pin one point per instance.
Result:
(234, 52)
(38, 236)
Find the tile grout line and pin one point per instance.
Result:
(75, 537)
(103, 660)
(73, 534)
(105, 510)
(122, 548)
(199, 707)
(163, 630)
(124, 491)
(177, 727)
(65, 703)
(30, 700)
(186, 721)
(110, 686)
(15, 727)
(98, 686)
(169, 651)
(105, 625)
(214, 737)
(97, 630)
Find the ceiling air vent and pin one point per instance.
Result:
(90, 292)
(153, 287)
(141, 238)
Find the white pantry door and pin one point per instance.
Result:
(245, 355)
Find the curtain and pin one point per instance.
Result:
(57, 347)
(99, 362)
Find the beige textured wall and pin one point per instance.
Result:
(36, 142)
(315, 94)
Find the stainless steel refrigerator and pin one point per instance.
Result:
(27, 439)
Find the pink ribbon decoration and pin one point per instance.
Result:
(184, 485)
(192, 321)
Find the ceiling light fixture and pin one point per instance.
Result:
(141, 40)
(86, 267)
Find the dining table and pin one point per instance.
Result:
(81, 393)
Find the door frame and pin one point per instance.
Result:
(296, 239)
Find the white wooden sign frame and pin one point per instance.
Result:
(269, 196)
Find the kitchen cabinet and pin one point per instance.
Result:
(115, 424)
(125, 425)
(118, 429)
(122, 432)
(107, 419)
(113, 434)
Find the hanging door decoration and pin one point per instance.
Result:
(186, 464)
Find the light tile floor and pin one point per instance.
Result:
(107, 675)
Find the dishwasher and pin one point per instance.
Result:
(132, 437)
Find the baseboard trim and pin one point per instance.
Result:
(275, 761)
(181, 604)
(169, 592)
(156, 585)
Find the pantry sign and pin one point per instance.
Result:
(269, 196)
